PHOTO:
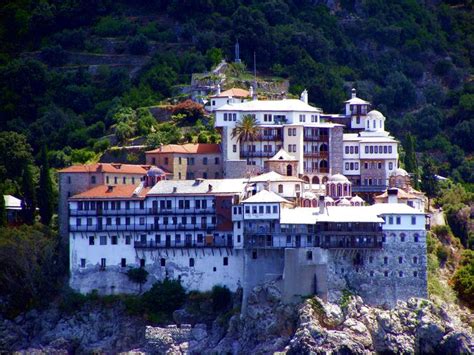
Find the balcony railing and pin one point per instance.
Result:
(206, 243)
(209, 227)
(268, 137)
(185, 211)
(257, 154)
(108, 212)
(321, 155)
(316, 138)
(108, 228)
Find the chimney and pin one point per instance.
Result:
(110, 188)
(218, 91)
(304, 96)
(353, 93)
(322, 206)
(392, 195)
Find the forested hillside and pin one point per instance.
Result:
(413, 61)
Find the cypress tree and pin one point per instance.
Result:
(3, 210)
(28, 205)
(411, 165)
(428, 180)
(45, 193)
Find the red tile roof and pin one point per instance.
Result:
(234, 92)
(115, 191)
(107, 168)
(190, 148)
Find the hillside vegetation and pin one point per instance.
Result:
(79, 76)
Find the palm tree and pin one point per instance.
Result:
(246, 129)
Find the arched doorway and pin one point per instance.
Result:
(289, 170)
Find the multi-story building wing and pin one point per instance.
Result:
(290, 124)
(79, 178)
(188, 161)
(370, 156)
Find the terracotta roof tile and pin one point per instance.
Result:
(189, 148)
(234, 92)
(115, 191)
(107, 168)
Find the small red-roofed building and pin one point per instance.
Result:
(188, 161)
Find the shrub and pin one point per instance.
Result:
(138, 45)
(442, 253)
(221, 298)
(138, 275)
(164, 297)
(463, 279)
(110, 26)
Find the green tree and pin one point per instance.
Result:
(3, 210)
(15, 152)
(28, 195)
(463, 279)
(411, 164)
(429, 183)
(45, 192)
(165, 296)
(138, 275)
(246, 130)
(124, 131)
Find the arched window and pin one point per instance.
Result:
(289, 170)
(306, 179)
(339, 190)
(333, 190)
(280, 189)
(315, 180)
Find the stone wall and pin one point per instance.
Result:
(235, 169)
(378, 281)
(336, 150)
(210, 266)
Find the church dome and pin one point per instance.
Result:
(338, 178)
(399, 172)
(374, 114)
(154, 171)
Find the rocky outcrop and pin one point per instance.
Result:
(317, 327)
(89, 329)
(417, 326)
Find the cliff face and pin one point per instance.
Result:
(315, 326)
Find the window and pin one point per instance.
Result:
(268, 209)
(398, 220)
(390, 220)
(260, 209)
(103, 263)
(127, 221)
(371, 149)
(124, 180)
(380, 167)
(415, 260)
(142, 205)
(347, 150)
(117, 221)
(78, 222)
(416, 238)
(163, 262)
(376, 150)
(68, 179)
(400, 274)
(103, 240)
(302, 118)
(127, 239)
(204, 160)
(371, 259)
(93, 180)
(402, 237)
(254, 254)
(142, 262)
(288, 239)
(91, 240)
(385, 260)
(275, 209)
(415, 273)
(356, 166)
(280, 189)
(309, 255)
(115, 180)
(225, 261)
(390, 149)
(234, 148)
(216, 160)
(83, 263)
(390, 166)
(347, 166)
(123, 262)
(178, 238)
(113, 240)
(191, 262)
(413, 219)
(366, 149)
(400, 259)
(371, 274)
(142, 221)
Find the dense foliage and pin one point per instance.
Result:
(463, 279)
(412, 60)
(33, 267)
